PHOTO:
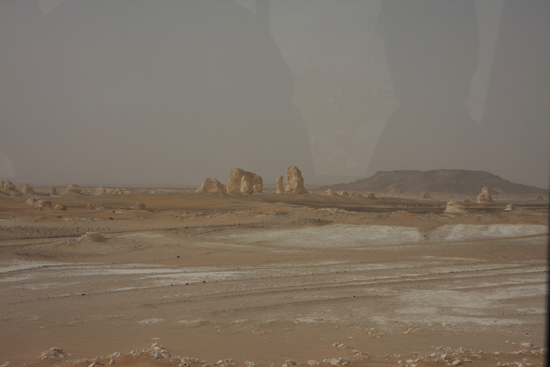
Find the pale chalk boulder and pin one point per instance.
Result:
(27, 189)
(342, 193)
(294, 181)
(329, 192)
(258, 188)
(280, 186)
(484, 196)
(31, 201)
(370, 195)
(72, 189)
(211, 185)
(509, 207)
(60, 207)
(454, 207)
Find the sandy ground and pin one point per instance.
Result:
(241, 280)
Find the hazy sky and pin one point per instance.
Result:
(170, 91)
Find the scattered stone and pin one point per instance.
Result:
(53, 353)
(252, 364)
(426, 195)
(396, 190)
(111, 362)
(72, 189)
(53, 191)
(484, 196)
(509, 207)
(211, 185)
(60, 207)
(370, 195)
(454, 207)
(157, 351)
(294, 181)
(328, 192)
(280, 186)
(342, 193)
(27, 189)
(117, 191)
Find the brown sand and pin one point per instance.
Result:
(269, 278)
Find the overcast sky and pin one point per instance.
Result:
(169, 92)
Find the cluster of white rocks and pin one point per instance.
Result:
(117, 191)
(244, 182)
(40, 204)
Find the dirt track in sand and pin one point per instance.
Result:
(267, 278)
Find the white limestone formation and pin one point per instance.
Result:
(27, 189)
(509, 207)
(280, 185)
(370, 195)
(342, 193)
(484, 196)
(53, 191)
(454, 207)
(211, 185)
(238, 184)
(329, 192)
(72, 189)
(100, 191)
(138, 206)
(60, 207)
(294, 181)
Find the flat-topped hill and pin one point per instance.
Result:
(441, 180)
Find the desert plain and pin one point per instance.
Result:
(272, 280)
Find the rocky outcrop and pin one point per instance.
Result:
(72, 189)
(294, 181)
(43, 203)
(8, 185)
(329, 192)
(370, 195)
(60, 207)
(53, 191)
(484, 196)
(241, 181)
(211, 185)
(27, 189)
(509, 207)
(342, 193)
(138, 206)
(280, 185)
(356, 194)
(454, 207)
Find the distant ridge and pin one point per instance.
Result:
(441, 180)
